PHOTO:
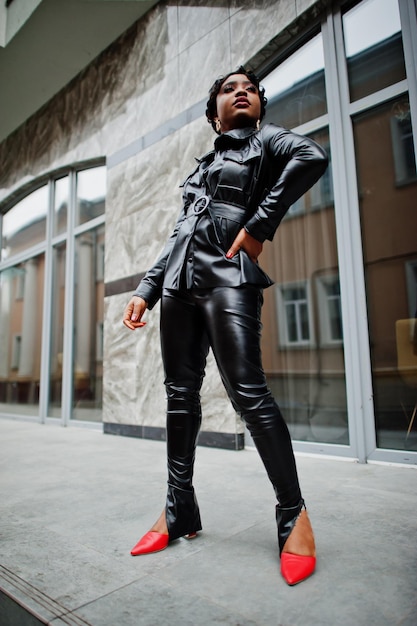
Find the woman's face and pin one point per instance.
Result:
(238, 103)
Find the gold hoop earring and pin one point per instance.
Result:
(218, 126)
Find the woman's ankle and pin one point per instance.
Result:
(160, 525)
(301, 539)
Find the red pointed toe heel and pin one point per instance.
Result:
(296, 568)
(150, 542)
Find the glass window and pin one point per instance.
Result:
(389, 227)
(17, 342)
(302, 343)
(88, 315)
(329, 309)
(22, 287)
(91, 193)
(61, 199)
(318, 197)
(57, 330)
(296, 89)
(293, 311)
(403, 146)
(20, 336)
(25, 224)
(373, 44)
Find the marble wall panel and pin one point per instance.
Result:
(195, 140)
(121, 249)
(201, 63)
(119, 129)
(197, 18)
(146, 187)
(255, 24)
(143, 200)
(142, 206)
(121, 198)
(132, 382)
(160, 101)
(157, 43)
(150, 176)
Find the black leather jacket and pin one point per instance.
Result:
(249, 180)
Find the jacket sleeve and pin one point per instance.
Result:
(299, 162)
(150, 287)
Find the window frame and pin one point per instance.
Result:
(46, 247)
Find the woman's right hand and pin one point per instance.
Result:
(134, 311)
(246, 242)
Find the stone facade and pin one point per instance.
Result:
(140, 106)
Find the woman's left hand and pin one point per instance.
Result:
(249, 244)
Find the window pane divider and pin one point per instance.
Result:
(379, 97)
(23, 256)
(313, 126)
(47, 312)
(90, 225)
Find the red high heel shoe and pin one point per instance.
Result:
(294, 567)
(154, 542)
(150, 542)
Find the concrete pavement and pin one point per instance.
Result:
(74, 501)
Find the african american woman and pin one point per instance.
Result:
(210, 286)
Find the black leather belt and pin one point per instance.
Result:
(215, 209)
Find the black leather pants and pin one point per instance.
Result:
(227, 319)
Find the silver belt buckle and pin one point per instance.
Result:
(200, 205)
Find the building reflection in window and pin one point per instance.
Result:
(302, 341)
(375, 57)
(88, 327)
(61, 200)
(387, 196)
(25, 224)
(21, 301)
(296, 88)
(91, 193)
(57, 330)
